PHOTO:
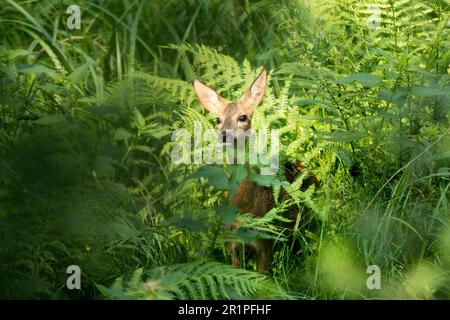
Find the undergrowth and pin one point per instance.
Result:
(86, 177)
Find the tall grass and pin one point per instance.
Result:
(86, 118)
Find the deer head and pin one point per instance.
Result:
(235, 116)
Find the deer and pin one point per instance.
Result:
(249, 197)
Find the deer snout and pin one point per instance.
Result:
(227, 136)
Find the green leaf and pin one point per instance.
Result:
(10, 100)
(422, 91)
(145, 149)
(79, 73)
(343, 136)
(103, 166)
(53, 88)
(116, 291)
(9, 69)
(139, 119)
(237, 174)
(398, 96)
(442, 155)
(157, 131)
(50, 120)
(248, 235)
(444, 171)
(227, 213)
(366, 79)
(216, 176)
(157, 115)
(36, 69)
(103, 109)
(104, 291)
(18, 53)
(268, 180)
(121, 134)
(344, 155)
(191, 224)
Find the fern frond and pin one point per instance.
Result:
(202, 279)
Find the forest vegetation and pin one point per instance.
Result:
(359, 93)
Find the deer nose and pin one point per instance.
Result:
(226, 136)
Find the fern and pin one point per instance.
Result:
(267, 226)
(145, 90)
(202, 279)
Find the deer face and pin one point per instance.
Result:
(232, 119)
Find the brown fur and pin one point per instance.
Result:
(250, 197)
(258, 200)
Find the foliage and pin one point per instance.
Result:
(194, 280)
(86, 176)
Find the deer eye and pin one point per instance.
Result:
(242, 118)
(218, 120)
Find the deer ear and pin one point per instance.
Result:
(208, 97)
(253, 96)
